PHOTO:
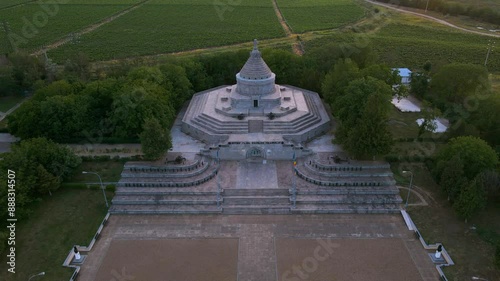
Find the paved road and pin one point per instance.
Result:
(433, 19)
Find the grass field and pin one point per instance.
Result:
(109, 171)
(7, 103)
(410, 42)
(310, 15)
(69, 217)
(8, 3)
(162, 26)
(32, 26)
(473, 256)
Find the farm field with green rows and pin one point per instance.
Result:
(408, 45)
(34, 25)
(7, 3)
(308, 15)
(163, 26)
(407, 41)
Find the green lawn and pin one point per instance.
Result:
(32, 27)
(7, 103)
(469, 249)
(108, 170)
(163, 26)
(69, 217)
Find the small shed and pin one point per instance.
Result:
(405, 74)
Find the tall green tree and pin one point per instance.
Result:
(455, 82)
(40, 165)
(453, 178)
(155, 139)
(362, 112)
(475, 153)
(134, 104)
(177, 84)
(471, 200)
(336, 81)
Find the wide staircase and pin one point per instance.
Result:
(167, 189)
(256, 201)
(358, 187)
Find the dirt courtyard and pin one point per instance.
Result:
(257, 248)
(171, 259)
(344, 259)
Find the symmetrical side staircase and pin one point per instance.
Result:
(322, 187)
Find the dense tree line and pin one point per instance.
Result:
(463, 94)
(360, 99)
(466, 169)
(453, 8)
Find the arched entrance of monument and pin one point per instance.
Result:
(255, 153)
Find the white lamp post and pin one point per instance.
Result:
(409, 190)
(102, 187)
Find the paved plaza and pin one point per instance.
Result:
(257, 248)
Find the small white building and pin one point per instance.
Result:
(405, 74)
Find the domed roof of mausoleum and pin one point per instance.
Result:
(255, 68)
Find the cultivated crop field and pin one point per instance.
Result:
(307, 15)
(408, 45)
(34, 25)
(8, 3)
(163, 26)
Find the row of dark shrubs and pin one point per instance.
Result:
(391, 158)
(109, 187)
(103, 158)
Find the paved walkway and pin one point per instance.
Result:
(257, 257)
(256, 175)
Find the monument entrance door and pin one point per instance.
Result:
(255, 152)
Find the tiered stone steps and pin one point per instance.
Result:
(206, 122)
(302, 123)
(359, 187)
(166, 189)
(256, 201)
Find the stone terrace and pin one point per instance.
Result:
(167, 189)
(324, 186)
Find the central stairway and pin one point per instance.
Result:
(256, 201)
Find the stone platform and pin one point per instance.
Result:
(202, 186)
(258, 248)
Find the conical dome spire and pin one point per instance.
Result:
(255, 68)
(255, 78)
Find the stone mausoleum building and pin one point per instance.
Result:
(256, 117)
(261, 132)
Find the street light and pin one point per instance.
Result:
(39, 274)
(102, 187)
(409, 190)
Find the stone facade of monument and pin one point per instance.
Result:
(256, 117)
